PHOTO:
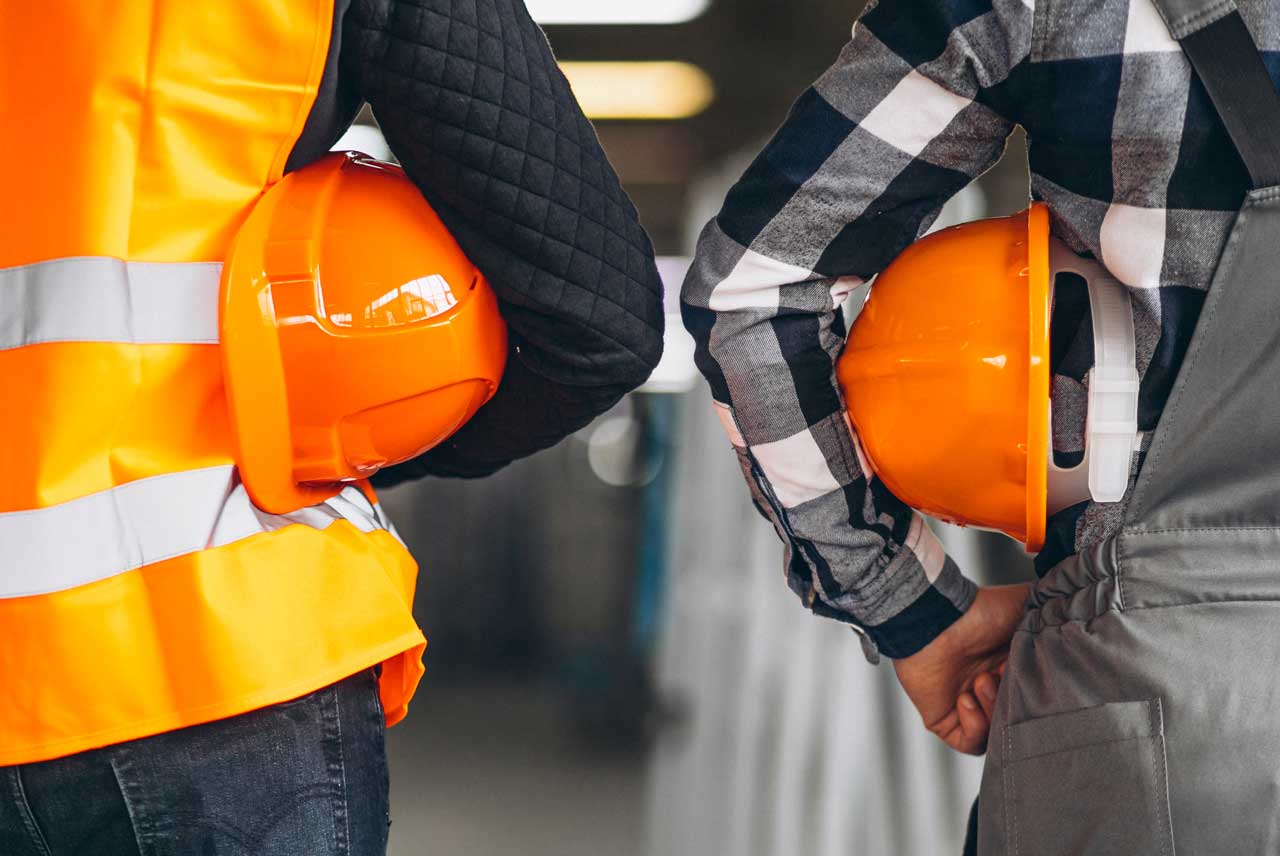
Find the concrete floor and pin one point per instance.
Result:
(492, 770)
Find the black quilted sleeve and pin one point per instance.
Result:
(473, 105)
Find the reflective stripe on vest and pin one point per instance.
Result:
(116, 449)
(146, 521)
(96, 299)
(149, 520)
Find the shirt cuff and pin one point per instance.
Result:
(946, 599)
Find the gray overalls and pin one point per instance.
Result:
(1141, 706)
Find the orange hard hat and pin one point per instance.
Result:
(355, 332)
(946, 378)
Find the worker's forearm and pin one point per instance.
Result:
(516, 172)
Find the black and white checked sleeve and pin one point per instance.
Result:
(910, 113)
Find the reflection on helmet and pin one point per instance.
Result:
(417, 300)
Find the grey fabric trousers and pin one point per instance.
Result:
(1140, 710)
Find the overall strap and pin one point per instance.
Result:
(1214, 37)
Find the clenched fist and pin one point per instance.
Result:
(952, 681)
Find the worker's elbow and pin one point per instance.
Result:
(638, 352)
(636, 362)
(615, 345)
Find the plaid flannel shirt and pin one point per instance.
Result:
(1138, 172)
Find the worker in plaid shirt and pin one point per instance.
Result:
(1138, 172)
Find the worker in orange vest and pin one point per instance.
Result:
(197, 657)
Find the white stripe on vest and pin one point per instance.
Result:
(105, 534)
(95, 537)
(99, 299)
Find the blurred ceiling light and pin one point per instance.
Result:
(640, 90)
(616, 11)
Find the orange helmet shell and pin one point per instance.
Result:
(946, 375)
(355, 332)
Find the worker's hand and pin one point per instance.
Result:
(953, 680)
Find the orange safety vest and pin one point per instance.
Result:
(140, 589)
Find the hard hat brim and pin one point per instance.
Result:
(253, 372)
(1038, 275)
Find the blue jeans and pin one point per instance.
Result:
(303, 778)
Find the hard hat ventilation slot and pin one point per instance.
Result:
(1071, 333)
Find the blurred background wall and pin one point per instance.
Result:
(616, 665)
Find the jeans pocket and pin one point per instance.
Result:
(1091, 781)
